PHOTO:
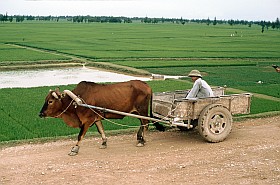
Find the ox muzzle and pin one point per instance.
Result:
(42, 114)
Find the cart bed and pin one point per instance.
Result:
(169, 105)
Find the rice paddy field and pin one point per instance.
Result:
(241, 63)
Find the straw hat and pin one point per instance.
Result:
(195, 73)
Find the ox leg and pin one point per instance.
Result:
(75, 149)
(100, 129)
(140, 133)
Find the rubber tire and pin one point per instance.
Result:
(215, 123)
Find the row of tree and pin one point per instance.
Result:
(21, 18)
(6, 18)
(103, 19)
(111, 19)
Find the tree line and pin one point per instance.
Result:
(110, 19)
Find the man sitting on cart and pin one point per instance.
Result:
(200, 88)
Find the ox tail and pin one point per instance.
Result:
(156, 124)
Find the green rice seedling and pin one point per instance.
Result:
(12, 54)
(115, 41)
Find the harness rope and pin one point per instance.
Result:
(65, 109)
(129, 126)
(103, 117)
(123, 124)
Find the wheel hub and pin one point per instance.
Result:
(217, 124)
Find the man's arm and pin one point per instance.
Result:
(194, 90)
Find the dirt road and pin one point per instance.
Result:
(250, 155)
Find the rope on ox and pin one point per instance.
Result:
(65, 109)
(169, 114)
(79, 101)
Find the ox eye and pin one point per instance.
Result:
(50, 101)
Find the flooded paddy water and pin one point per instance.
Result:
(59, 76)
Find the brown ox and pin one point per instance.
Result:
(131, 97)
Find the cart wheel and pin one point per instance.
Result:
(215, 123)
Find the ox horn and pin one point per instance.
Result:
(55, 95)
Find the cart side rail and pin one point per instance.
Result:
(239, 103)
(180, 94)
(191, 109)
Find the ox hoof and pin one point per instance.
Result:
(140, 145)
(103, 147)
(74, 151)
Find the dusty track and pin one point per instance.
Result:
(250, 155)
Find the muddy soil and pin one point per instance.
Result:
(250, 155)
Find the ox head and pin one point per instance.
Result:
(53, 105)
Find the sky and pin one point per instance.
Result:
(253, 10)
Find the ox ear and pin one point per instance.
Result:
(57, 90)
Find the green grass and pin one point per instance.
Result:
(240, 77)
(101, 41)
(147, 64)
(11, 53)
(260, 105)
(270, 90)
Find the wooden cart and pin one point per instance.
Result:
(212, 116)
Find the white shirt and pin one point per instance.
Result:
(200, 89)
